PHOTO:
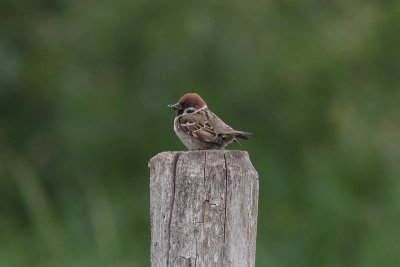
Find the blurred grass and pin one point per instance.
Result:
(83, 94)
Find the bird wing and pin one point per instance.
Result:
(198, 125)
(226, 132)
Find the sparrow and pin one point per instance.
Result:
(200, 129)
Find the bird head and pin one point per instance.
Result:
(188, 103)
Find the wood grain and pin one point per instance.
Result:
(203, 209)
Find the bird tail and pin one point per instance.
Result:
(239, 134)
(243, 135)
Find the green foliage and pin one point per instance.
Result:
(83, 92)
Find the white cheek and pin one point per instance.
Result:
(190, 110)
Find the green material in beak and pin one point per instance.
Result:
(174, 107)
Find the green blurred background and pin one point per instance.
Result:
(83, 92)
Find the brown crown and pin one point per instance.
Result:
(192, 100)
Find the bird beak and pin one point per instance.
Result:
(175, 107)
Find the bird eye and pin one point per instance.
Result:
(190, 110)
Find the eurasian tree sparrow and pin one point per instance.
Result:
(199, 128)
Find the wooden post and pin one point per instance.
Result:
(203, 209)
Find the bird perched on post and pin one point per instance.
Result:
(198, 128)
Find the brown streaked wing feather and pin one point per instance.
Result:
(206, 133)
(198, 126)
(219, 124)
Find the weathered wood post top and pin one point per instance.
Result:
(203, 209)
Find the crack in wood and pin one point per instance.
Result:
(204, 209)
(226, 196)
(190, 260)
(197, 255)
(204, 169)
(174, 162)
